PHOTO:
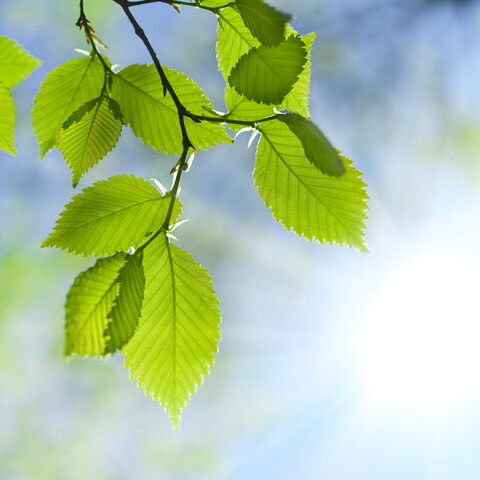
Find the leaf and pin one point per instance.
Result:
(267, 74)
(264, 21)
(154, 118)
(330, 209)
(89, 302)
(64, 90)
(15, 63)
(234, 40)
(88, 135)
(126, 310)
(178, 333)
(297, 99)
(111, 215)
(240, 108)
(7, 121)
(316, 146)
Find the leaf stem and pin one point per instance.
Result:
(134, 3)
(83, 22)
(225, 119)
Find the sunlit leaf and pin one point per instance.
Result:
(154, 117)
(64, 90)
(297, 99)
(126, 310)
(178, 334)
(7, 121)
(15, 63)
(268, 74)
(89, 302)
(88, 135)
(315, 205)
(234, 40)
(264, 21)
(111, 215)
(316, 146)
(240, 108)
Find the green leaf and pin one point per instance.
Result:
(88, 135)
(111, 215)
(154, 118)
(7, 121)
(330, 209)
(64, 90)
(178, 333)
(297, 99)
(267, 74)
(240, 108)
(316, 146)
(15, 63)
(264, 22)
(126, 310)
(234, 40)
(89, 302)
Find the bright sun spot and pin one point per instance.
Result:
(419, 349)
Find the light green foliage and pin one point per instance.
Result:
(330, 209)
(89, 134)
(89, 302)
(7, 121)
(64, 90)
(264, 22)
(178, 333)
(267, 74)
(240, 108)
(109, 216)
(15, 65)
(153, 116)
(234, 40)
(155, 304)
(317, 148)
(126, 310)
(297, 99)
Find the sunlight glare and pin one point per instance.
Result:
(419, 348)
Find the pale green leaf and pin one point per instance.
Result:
(214, 3)
(267, 74)
(154, 118)
(316, 146)
(240, 108)
(89, 302)
(234, 40)
(7, 121)
(264, 21)
(297, 99)
(15, 63)
(64, 90)
(178, 333)
(126, 310)
(330, 209)
(111, 215)
(88, 135)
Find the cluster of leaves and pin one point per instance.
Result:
(145, 297)
(15, 65)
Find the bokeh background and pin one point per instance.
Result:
(334, 364)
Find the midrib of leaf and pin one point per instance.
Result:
(348, 229)
(116, 212)
(95, 113)
(174, 299)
